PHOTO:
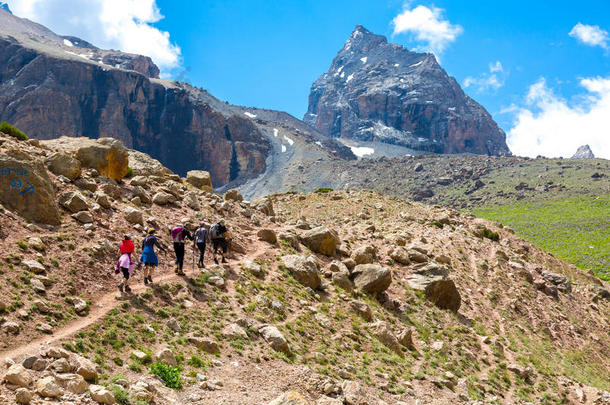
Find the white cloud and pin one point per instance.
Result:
(111, 24)
(591, 35)
(427, 25)
(488, 81)
(551, 126)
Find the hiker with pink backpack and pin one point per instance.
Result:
(179, 234)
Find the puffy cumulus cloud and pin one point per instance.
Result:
(551, 126)
(112, 24)
(428, 26)
(488, 81)
(591, 35)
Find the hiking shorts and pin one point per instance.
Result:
(125, 272)
(220, 243)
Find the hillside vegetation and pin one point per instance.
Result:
(576, 230)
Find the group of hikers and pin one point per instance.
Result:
(217, 234)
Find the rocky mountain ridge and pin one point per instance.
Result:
(97, 93)
(584, 152)
(421, 303)
(377, 91)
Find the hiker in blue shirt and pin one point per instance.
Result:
(149, 258)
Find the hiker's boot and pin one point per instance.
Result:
(224, 260)
(150, 279)
(120, 287)
(216, 260)
(127, 289)
(145, 280)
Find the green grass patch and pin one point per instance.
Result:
(168, 374)
(12, 131)
(576, 230)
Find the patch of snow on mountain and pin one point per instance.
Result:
(417, 64)
(362, 151)
(68, 43)
(342, 75)
(451, 108)
(290, 141)
(319, 143)
(350, 77)
(364, 59)
(248, 114)
(275, 132)
(283, 148)
(396, 64)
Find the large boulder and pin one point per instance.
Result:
(372, 278)
(18, 375)
(107, 155)
(74, 383)
(47, 387)
(134, 216)
(63, 164)
(264, 205)
(364, 254)
(321, 240)
(26, 188)
(200, 179)
(438, 287)
(304, 270)
(85, 368)
(205, 344)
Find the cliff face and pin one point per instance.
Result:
(49, 89)
(375, 91)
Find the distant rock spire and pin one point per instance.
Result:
(584, 152)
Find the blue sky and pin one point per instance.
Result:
(517, 58)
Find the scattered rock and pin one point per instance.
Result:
(400, 255)
(36, 243)
(84, 217)
(74, 383)
(321, 240)
(134, 216)
(174, 325)
(274, 337)
(163, 198)
(234, 331)
(205, 344)
(47, 387)
(289, 398)
(45, 328)
(23, 396)
(85, 368)
(18, 375)
(267, 235)
(304, 270)
(200, 179)
(34, 266)
(11, 327)
(101, 395)
(383, 332)
(372, 278)
(353, 394)
(166, 356)
(37, 285)
(73, 201)
(405, 338)
(439, 288)
(341, 279)
(364, 254)
(362, 309)
(63, 164)
(233, 195)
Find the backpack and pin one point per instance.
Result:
(176, 234)
(216, 231)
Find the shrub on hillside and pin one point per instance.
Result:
(168, 374)
(487, 233)
(324, 190)
(12, 131)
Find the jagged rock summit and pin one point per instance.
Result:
(584, 152)
(377, 91)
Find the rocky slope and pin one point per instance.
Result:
(376, 91)
(420, 303)
(53, 86)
